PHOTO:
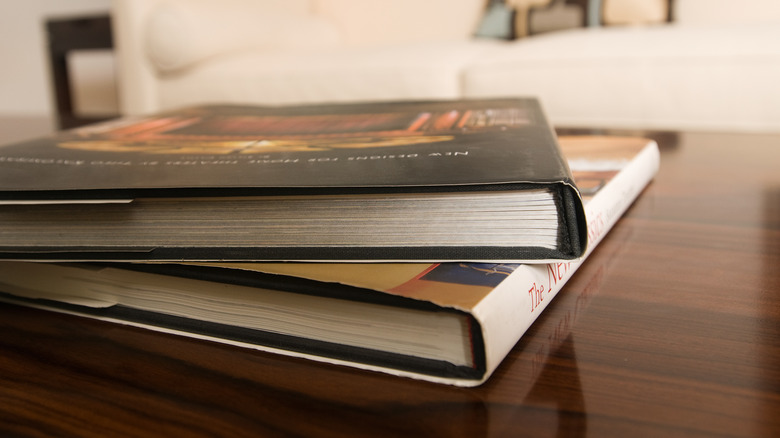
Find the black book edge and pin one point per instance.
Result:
(129, 194)
(330, 254)
(574, 222)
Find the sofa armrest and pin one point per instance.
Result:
(182, 33)
(728, 12)
(137, 85)
(138, 70)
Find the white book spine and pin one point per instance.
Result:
(509, 311)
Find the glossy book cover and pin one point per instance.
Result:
(471, 143)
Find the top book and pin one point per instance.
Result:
(468, 180)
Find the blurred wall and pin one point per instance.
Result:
(24, 78)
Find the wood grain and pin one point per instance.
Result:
(671, 328)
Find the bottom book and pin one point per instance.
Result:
(448, 322)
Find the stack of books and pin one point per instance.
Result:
(420, 239)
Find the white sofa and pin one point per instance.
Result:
(714, 67)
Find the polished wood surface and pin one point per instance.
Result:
(671, 328)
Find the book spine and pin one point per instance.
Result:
(507, 313)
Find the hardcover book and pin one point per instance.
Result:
(473, 180)
(443, 322)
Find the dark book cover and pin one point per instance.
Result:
(392, 145)
(243, 151)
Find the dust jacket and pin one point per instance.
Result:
(449, 323)
(470, 180)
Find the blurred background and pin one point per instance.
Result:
(706, 65)
(25, 80)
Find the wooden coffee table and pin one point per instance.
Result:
(671, 328)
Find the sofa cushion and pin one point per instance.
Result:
(410, 71)
(388, 22)
(661, 76)
(182, 33)
(634, 12)
(719, 12)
